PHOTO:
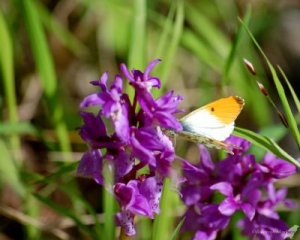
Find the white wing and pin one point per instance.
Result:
(204, 123)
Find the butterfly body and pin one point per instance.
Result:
(212, 123)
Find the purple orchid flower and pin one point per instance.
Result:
(274, 167)
(129, 135)
(142, 81)
(161, 111)
(246, 185)
(233, 203)
(138, 197)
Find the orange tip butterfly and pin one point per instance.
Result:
(212, 123)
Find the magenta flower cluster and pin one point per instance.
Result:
(127, 135)
(244, 185)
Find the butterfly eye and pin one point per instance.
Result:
(212, 109)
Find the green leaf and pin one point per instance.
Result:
(275, 132)
(265, 143)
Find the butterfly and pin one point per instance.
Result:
(211, 124)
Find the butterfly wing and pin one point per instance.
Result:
(209, 142)
(214, 120)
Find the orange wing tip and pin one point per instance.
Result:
(239, 100)
(233, 106)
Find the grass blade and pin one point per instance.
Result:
(45, 66)
(9, 171)
(233, 50)
(18, 128)
(7, 69)
(167, 28)
(199, 48)
(294, 95)
(177, 229)
(81, 205)
(265, 143)
(169, 53)
(275, 132)
(137, 50)
(164, 221)
(108, 204)
(67, 38)
(64, 212)
(209, 31)
(290, 117)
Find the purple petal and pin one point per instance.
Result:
(248, 210)
(209, 235)
(193, 173)
(121, 124)
(148, 138)
(290, 203)
(212, 217)
(139, 204)
(101, 82)
(228, 206)
(154, 82)
(124, 164)
(125, 219)
(126, 72)
(168, 120)
(281, 194)
(223, 187)
(242, 144)
(279, 168)
(93, 129)
(262, 227)
(124, 193)
(118, 84)
(205, 159)
(91, 165)
(91, 100)
(149, 68)
(190, 194)
(142, 153)
(130, 199)
(151, 189)
(251, 193)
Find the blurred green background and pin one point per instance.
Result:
(51, 50)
